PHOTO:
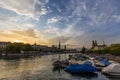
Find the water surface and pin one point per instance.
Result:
(40, 68)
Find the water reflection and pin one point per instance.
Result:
(112, 77)
(56, 69)
(20, 67)
(82, 75)
(40, 68)
(85, 75)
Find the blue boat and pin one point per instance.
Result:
(104, 61)
(81, 68)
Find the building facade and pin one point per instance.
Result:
(95, 46)
(3, 46)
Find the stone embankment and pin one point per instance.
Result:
(108, 56)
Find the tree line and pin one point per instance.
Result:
(17, 47)
(113, 49)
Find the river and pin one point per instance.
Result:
(40, 68)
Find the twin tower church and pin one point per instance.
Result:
(95, 45)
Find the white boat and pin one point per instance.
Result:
(113, 69)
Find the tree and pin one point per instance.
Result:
(83, 50)
(14, 47)
(106, 50)
(115, 50)
(17, 47)
(27, 47)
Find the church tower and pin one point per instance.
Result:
(59, 46)
(65, 47)
(93, 43)
(96, 43)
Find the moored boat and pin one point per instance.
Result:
(103, 61)
(113, 70)
(61, 64)
(81, 68)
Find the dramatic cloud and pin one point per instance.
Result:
(73, 22)
(25, 7)
(29, 33)
(22, 7)
(26, 36)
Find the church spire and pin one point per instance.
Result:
(96, 43)
(93, 43)
(59, 45)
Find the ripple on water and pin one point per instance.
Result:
(40, 68)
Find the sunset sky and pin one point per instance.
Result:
(73, 22)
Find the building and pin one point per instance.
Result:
(61, 47)
(95, 46)
(3, 46)
(40, 47)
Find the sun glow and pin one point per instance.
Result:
(18, 41)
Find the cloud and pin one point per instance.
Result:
(72, 30)
(7, 25)
(54, 19)
(76, 23)
(62, 39)
(93, 13)
(116, 18)
(25, 7)
(26, 36)
(28, 33)
(53, 30)
(67, 36)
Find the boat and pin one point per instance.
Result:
(103, 61)
(60, 64)
(81, 57)
(112, 70)
(57, 64)
(80, 68)
(98, 64)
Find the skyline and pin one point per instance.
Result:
(73, 22)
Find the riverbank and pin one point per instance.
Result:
(19, 55)
(107, 56)
(25, 55)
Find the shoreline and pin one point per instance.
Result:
(19, 55)
(26, 55)
(107, 56)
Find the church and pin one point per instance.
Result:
(95, 46)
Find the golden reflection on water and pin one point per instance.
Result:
(38, 68)
(18, 68)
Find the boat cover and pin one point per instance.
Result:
(113, 67)
(80, 68)
(104, 61)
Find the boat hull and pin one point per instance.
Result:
(112, 74)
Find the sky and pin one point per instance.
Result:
(72, 22)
